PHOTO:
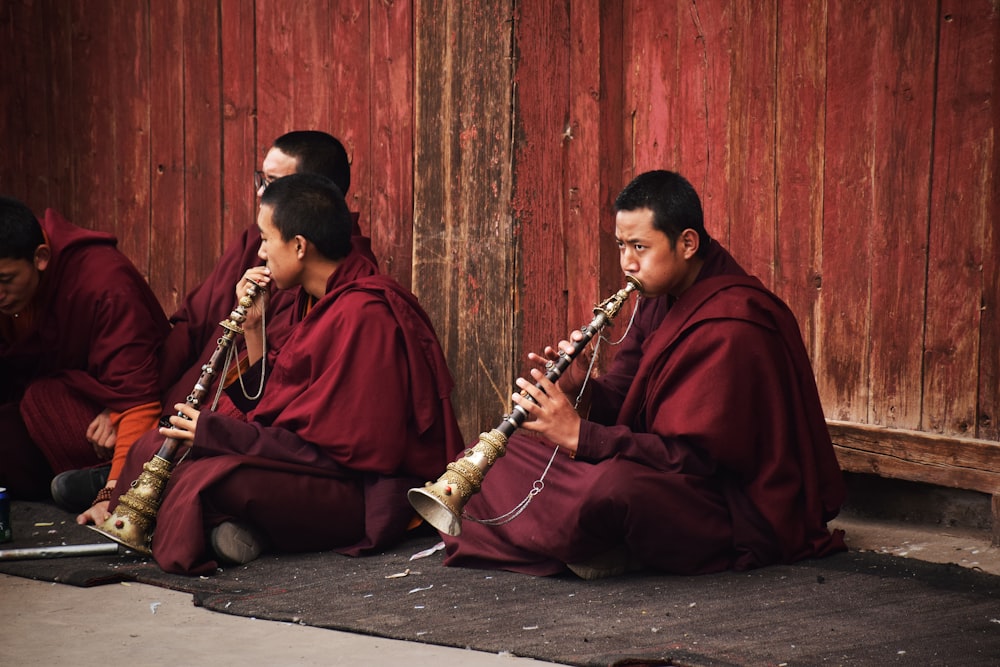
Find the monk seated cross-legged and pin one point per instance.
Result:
(79, 334)
(355, 407)
(703, 448)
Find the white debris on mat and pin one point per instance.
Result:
(428, 552)
(425, 588)
(153, 606)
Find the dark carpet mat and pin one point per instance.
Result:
(850, 609)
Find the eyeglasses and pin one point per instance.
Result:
(260, 180)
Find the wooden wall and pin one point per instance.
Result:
(845, 153)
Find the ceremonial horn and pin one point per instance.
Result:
(441, 502)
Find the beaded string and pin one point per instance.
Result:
(539, 484)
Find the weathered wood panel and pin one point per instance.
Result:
(965, 161)
(168, 213)
(463, 264)
(385, 173)
(903, 99)
(844, 153)
(239, 116)
(845, 304)
(799, 144)
(540, 193)
(750, 165)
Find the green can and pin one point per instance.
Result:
(5, 532)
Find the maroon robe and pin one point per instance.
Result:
(92, 345)
(356, 410)
(195, 332)
(705, 449)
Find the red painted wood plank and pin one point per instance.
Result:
(963, 166)
(276, 68)
(127, 74)
(750, 195)
(903, 97)
(202, 152)
(22, 171)
(55, 99)
(384, 170)
(800, 150)
(844, 321)
(988, 422)
(611, 156)
(168, 214)
(240, 153)
(92, 143)
(541, 154)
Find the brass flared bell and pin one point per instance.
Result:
(132, 522)
(441, 502)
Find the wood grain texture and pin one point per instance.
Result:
(964, 166)
(845, 153)
(464, 238)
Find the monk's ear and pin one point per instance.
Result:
(301, 243)
(690, 241)
(43, 254)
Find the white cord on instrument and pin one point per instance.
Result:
(539, 483)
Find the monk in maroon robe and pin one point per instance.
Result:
(79, 334)
(355, 410)
(195, 329)
(705, 447)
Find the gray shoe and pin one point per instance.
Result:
(75, 490)
(236, 543)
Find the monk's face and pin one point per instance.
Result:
(647, 253)
(19, 279)
(276, 165)
(283, 258)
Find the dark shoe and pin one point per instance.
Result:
(75, 490)
(236, 543)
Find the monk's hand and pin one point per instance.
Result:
(101, 435)
(261, 275)
(97, 514)
(182, 426)
(550, 413)
(573, 376)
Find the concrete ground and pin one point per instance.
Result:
(50, 624)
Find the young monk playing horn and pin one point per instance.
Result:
(355, 410)
(705, 446)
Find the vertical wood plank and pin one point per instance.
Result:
(21, 27)
(800, 146)
(202, 150)
(988, 423)
(845, 306)
(55, 101)
(239, 118)
(963, 167)
(277, 59)
(350, 115)
(653, 123)
(463, 262)
(903, 97)
(750, 143)
(541, 192)
(92, 142)
(386, 167)
(127, 149)
(611, 154)
(168, 213)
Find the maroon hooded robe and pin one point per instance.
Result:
(356, 410)
(196, 331)
(95, 332)
(705, 449)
